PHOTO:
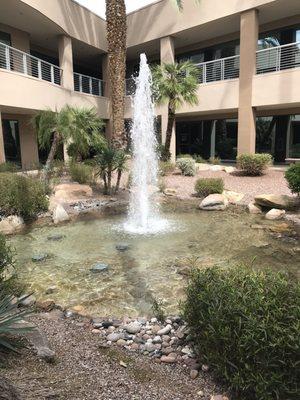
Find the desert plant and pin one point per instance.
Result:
(108, 161)
(207, 186)
(166, 168)
(199, 159)
(175, 84)
(292, 175)
(245, 325)
(187, 166)
(81, 173)
(214, 160)
(158, 310)
(253, 164)
(11, 322)
(23, 196)
(8, 167)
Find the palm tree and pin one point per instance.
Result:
(79, 126)
(175, 84)
(116, 26)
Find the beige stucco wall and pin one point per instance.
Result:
(28, 93)
(19, 39)
(28, 143)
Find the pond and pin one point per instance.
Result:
(154, 266)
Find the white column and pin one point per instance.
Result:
(66, 61)
(167, 55)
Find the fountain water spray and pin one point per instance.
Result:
(143, 215)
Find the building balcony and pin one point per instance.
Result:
(88, 85)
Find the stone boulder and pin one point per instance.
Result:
(11, 225)
(254, 208)
(214, 202)
(170, 192)
(275, 214)
(99, 267)
(60, 214)
(282, 202)
(233, 197)
(229, 169)
(217, 168)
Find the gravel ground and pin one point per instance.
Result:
(272, 182)
(86, 371)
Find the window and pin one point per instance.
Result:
(11, 140)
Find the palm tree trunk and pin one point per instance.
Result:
(116, 25)
(51, 155)
(169, 132)
(109, 174)
(118, 180)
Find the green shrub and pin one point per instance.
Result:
(292, 175)
(198, 159)
(187, 166)
(214, 160)
(166, 168)
(6, 260)
(81, 173)
(21, 196)
(8, 167)
(253, 164)
(206, 186)
(184, 156)
(245, 325)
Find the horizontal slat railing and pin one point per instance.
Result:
(219, 70)
(278, 58)
(18, 61)
(88, 84)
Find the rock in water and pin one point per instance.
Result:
(122, 246)
(60, 214)
(214, 202)
(275, 214)
(99, 267)
(55, 238)
(39, 257)
(281, 202)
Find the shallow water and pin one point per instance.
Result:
(150, 268)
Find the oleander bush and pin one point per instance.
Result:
(254, 164)
(23, 196)
(166, 168)
(245, 325)
(187, 166)
(292, 175)
(207, 186)
(81, 173)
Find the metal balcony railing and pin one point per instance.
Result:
(88, 84)
(18, 61)
(278, 58)
(219, 70)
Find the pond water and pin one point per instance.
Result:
(154, 266)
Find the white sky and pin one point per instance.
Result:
(98, 6)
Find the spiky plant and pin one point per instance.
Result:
(11, 318)
(174, 84)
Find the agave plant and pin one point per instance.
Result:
(10, 322)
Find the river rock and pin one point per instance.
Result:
(27, 301)
(282, 202)
(60, 214)
(254, 208)
(194, 373)
(99, 267)
(229, 169)
(170, 192)
(55, 238)
(39, 257)
(51, 289)
(133, 327)
(214, 202)
(11, 224)
(170, 359)
(275, 214)
(122, 246)
(165, 330)
(114, 337)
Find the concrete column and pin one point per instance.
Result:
(28, 144)
(66, 61)
(2, 152)
(167, 55)
(107, 93)
(213, 140)
(247, 115)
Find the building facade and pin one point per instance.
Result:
(54, 52)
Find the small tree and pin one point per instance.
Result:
(79, 126)
(174, 84)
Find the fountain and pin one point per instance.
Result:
(144, 215)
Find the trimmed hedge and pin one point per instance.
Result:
(187, 166)
(22, 196)
(254, 164)
(292, 175)
(245, 325)
(207, 186)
